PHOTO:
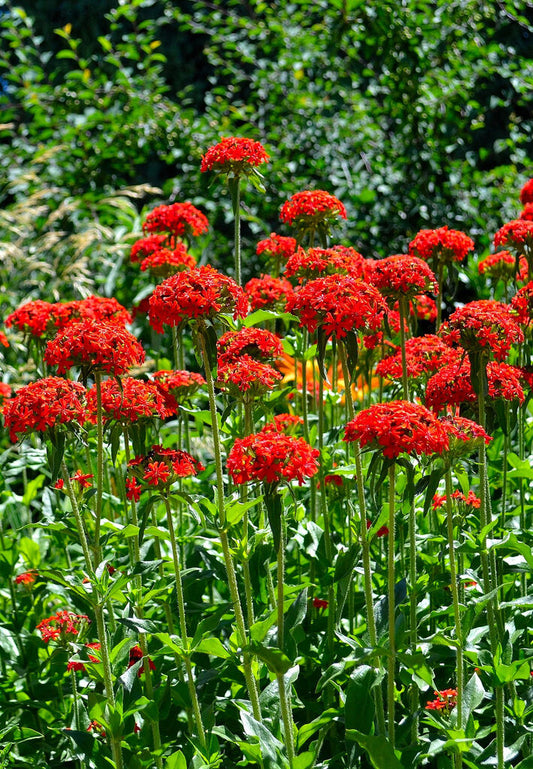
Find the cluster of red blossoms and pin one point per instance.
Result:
(470, 499)
(136, 654)
(44, 405)
(338, 303)
(235, 155)
(522, 304)
(283, 423)
(177, 220)
(260, 344)
(316, 262)
(78, 666)
(202, 292)
(502, 266)
(272, 457)
(247, 375)
(451, 385)
(160, 468)
(277, 247)
(517, 234)
(441, 245)
(402, 275)
(131, 400)
(424, 355)
(398, 427)
(179, 385)
(62, 626)
(268, 293)
(94, 346)
(444, 700)
(242, 361)
(483, 326)
(26, 578)
(311, 207)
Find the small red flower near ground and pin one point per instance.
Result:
(44, 405)
(82, 479)
(271, 457)
(444, 700)
(398, 427)
(320, 603)
(439, 500)
(61, 626)
(235, 155)
(136, 654)
(26, 578)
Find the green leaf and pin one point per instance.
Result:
(105, 43)
(212, 646)
(378, 749)
(31, 489)
(306, 731)
(322, 343)
(276, 661)
(176, 761)
(274, 508)
(473, 695)
(359, 708)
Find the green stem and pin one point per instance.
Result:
(99, 468)
(79, 520)
(455, 601)
(440, 279)
(280, 578)
(332, 609)
(500, 727)
(405, 381)
(108, 679)
(183, 627)
(391, 582)
(413, 602)
(237, 229)
(286, 716)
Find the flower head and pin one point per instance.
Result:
(402, 275)
(317, 262)
(165, 262)
(277, 247)
(502, 266)
(234, 155)
(31, 317)
(398, 427)
(256, 342)
(444, 700)
(527, 212)
(177, 220)
(312, 210)
(441, 245)
(268, 293)
(338, 303)
(247, 375)
(94, 346)
(62, 626)
(283, 423)
(451, 385)
(522, 305)
(178, 384)
(44, 405)
(470, 500)
(131, 400)
(136, 654)
(161, 468)
(526, 193)
(271, 457)
(516, 234)
(147, 246)
(27, 578)
(484, 326)
(198, 293)
(424, 355)
(465, 436)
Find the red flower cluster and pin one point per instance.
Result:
(61, 626)
(501, 266)
(235, 155)
(5, 394)
(445, 700)
(165, 262)
(178, 384)
(31, 317)
(256, 342)
(439, 500)
(516, 234)
(424, 355)
(522, 304)
(527, 212)
(4, 341)
(161, 468)
(95, 346)
(402, 275)
(79, 667)
(268, 293)
(26, 578)
(316, 262)
(247, 375)
(277, 247)
(398, 427)
(271, 457)
(283, 423)
(202, 292)
(526, 193)
(177, 219)
(441, 245)
(451, 385)
(82, 479)
(147, 246)
(338, 303)
(483, 326)
(311, 207)
(131, 400)
(136, 654)
(44, 405)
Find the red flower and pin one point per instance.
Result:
(44, 405)
(133, 489)
(423, 307)
(451, 385)
(256, 342)
(59, 484)
(439, 500)
(271, 457)
(82, 479)
(198, 293)
(247, 375)
(94, 345)
(178, 384)
(61, 625)
(381, 532)
(131, 400)
(96, 646)
(157, 474)
(147, 246)
(522, 304)
(5, 394)
(320, 603)
(516, 234)
(136, 654)
(77, 667)
(527, 212)
(398, 427)
(235, 155)
(441, 245)
(277, 247)
(177, 219)
(484, 326)
(165, 262)
(162, 467)
(283, 423)
(268, 293)
(316, 262)
(424, 355)
(4, 340)
(402, 275)
(310, 208)
(338, 303)
(526, 193)
(31, 317)
(26, 578)
(502, 266)
(445, 700)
